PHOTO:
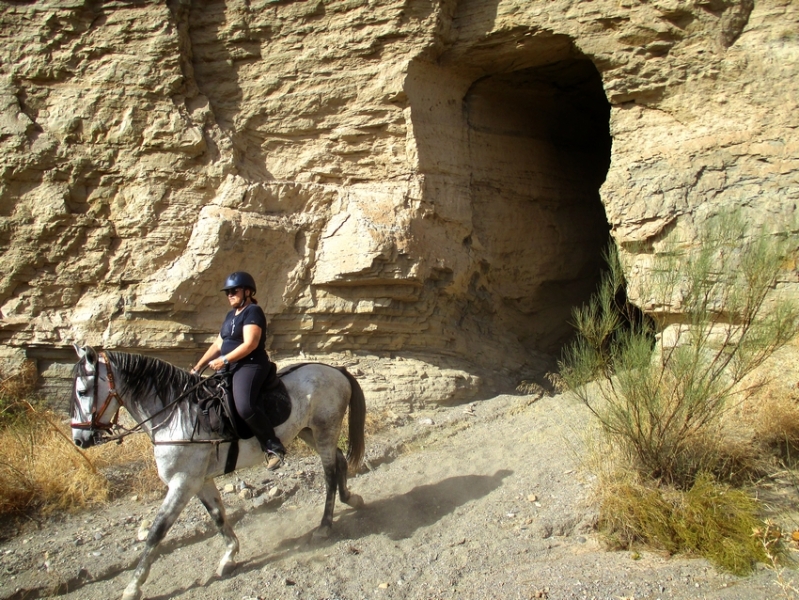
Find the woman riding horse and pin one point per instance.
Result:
(163, 400)
(240, 346)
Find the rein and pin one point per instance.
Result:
(113, 424)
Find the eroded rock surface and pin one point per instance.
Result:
(426, 180)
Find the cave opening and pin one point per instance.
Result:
(538, 151)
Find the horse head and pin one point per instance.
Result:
(95, 403)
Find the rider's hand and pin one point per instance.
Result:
(217, 364)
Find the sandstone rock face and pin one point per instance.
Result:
(422, 189)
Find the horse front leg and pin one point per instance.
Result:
(178, 495)
(212, 501)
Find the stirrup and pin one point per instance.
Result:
(273, 461)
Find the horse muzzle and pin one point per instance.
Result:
(86, 438)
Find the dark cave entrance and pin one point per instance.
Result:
(539, 150)
(515, 159)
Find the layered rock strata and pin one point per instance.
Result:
(422, 189)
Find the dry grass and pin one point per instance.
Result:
(16, 392)
(763, 431)
(776, 424)
(710, 519)
(42, 471)
(530, 388)
(20, 383)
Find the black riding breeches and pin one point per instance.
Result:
(247, 382)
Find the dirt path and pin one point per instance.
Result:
(474, 502)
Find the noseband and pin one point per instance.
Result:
(95, 423)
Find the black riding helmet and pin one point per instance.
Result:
(239, 279)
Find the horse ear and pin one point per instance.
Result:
(91, 354)
(86, 352)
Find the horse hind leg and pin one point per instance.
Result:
(212, 501)
(335, 468)
(344, 494)
(327, 452)
(176, 499)
(329, 466)
(334, 465)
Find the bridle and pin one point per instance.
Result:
(95, 423)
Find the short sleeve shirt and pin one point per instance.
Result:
(232, 332)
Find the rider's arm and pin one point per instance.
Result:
(210, 354)
(251, 335)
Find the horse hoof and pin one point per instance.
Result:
(355, 501)
(226, 568)
(131, 595)
(320, 535)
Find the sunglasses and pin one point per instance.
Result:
(232, 291)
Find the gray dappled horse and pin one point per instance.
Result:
(188, 458)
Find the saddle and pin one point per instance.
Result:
(218, 411)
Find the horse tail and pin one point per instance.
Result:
(357, 423)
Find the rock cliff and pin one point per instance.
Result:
(421, 188)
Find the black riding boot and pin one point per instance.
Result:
(275, 451)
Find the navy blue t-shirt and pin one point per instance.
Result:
(232, 332)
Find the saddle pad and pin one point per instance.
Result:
(277, 403)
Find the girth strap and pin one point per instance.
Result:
(232, 457)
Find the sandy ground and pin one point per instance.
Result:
(471, 502)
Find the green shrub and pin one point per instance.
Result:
(661, 397)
